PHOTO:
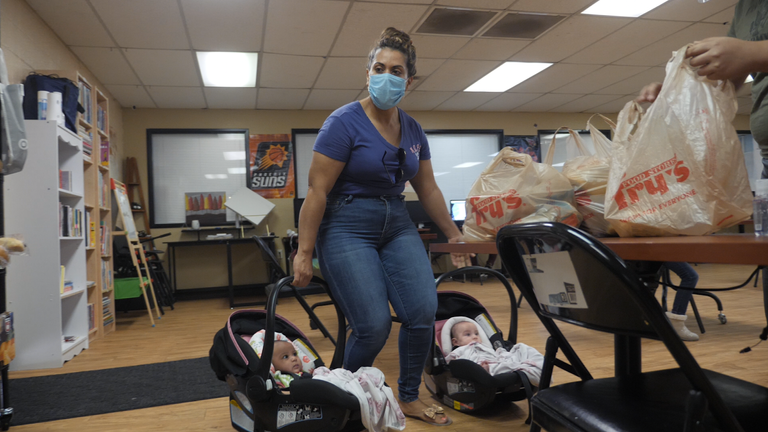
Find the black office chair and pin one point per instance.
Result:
(567, 275)
(276, 273)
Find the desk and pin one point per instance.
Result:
(228, 243)
(217, 230)
(713, 249)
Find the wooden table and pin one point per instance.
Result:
(712, 249)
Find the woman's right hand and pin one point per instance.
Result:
(302, 269)
(649, 93)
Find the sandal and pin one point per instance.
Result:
(429, 416)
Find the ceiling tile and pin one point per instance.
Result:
(131, 96)
(426, 67)
(477, 4)
(456, 75)
(688, 10)
(243, 29)
(745, 90)
(303, 27)
(612, 107)
(570, 37)
(586, 102)
(723, 17)
(551, 6)
(366, 21)
(508, 101)
(177, 97)
(73, 21)
(329, 99)
(343, 73)
(108, 64)
(143, 23)
(547, 102)
(634, 83)
(424, 100)
(660, 52)
(490, 49)
(164, 67)
(600, 78)
(230, 98)
(626, 40)
(553, 77)
(287, 71)
(438, 47)
(464, 101)
(292, 99)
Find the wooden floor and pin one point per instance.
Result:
(187, 332)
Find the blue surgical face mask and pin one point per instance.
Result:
(386, 90)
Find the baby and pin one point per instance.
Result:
(287, 364)
(468, 343)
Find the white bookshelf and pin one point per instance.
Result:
(43, 315)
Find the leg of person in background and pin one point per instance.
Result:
(688, 279)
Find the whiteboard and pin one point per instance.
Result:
(125, 210)
(189, 160)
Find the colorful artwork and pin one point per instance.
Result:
(270, 166)
(524, 144)
(206, 207)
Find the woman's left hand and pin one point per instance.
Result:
(460, 260)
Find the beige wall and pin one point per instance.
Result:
(29, 44)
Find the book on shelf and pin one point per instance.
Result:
(70, 221)
(85, 101)
(92, 234)
(104, 152)
(68, 287)
(61, 281)
(7, 338)
(65, 180)
(107, 316)
(91, 317)
(106, 276)
(106, 242)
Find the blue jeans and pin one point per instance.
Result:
(688, 279)
(371, 255)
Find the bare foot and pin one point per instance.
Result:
(429, 414)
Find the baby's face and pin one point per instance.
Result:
(464, 333)
(285, 358)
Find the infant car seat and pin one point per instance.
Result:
(464, 384)
(256, 404)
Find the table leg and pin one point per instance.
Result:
(173, 266)
(627, 355)
(229, 276)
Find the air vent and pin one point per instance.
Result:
(455, 22)
(523, 26)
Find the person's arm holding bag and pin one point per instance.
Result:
(432, 200)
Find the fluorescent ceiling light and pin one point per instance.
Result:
(467, 164)
(623, 8)
(228, 69)
(236, 170)
(438, 174)
(236, 155)
(507, 76)
(215, 176)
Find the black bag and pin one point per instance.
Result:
(52, 83)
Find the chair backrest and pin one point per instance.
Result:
(567, 275)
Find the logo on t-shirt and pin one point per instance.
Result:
(416, 149)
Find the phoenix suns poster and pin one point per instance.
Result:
(270, 166)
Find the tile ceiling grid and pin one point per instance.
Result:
(190, 25)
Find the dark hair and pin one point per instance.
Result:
(398, 40)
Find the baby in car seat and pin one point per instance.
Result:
(287, 363)
(468, 342)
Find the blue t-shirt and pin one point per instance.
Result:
(349, 136)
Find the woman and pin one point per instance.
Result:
(369, 250)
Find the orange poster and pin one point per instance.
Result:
(270, 162)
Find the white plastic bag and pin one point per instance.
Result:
(682, 171)
(515, 189)
(588, 174)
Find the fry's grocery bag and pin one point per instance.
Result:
(682, 171)
(515, 189)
